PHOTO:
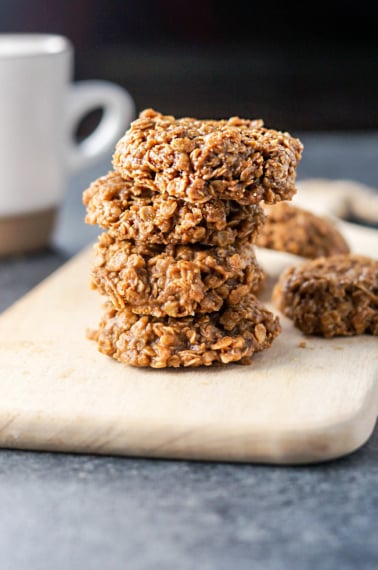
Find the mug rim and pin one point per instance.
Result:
(25, 45)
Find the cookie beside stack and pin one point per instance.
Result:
(176, 263)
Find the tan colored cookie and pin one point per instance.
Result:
(173, 280)
(162, 219)
(294, 230)
(232, 335)
(331, 296)
(196, 160)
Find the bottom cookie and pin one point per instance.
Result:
(331, 296)
(233, 334)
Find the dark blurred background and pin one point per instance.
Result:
(306, 67)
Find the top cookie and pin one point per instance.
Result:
(197, 160)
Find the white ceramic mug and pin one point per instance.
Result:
(40, 110)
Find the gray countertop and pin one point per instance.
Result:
(63, 511)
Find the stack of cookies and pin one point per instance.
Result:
(182, 212)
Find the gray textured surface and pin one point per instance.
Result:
(74, 512)
(79, 512)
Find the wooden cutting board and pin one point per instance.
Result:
(298, 402)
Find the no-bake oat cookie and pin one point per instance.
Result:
(331, 296)
(300, 232)
(174, 280)
(196, 160)
(182, 209)
(233, 334)
(140, 214)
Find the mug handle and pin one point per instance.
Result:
(118, 111)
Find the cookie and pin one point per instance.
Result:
(295, 230)
(196, 160)
(232, 335)
(174, 280)
(150, 217)
(331, 296)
